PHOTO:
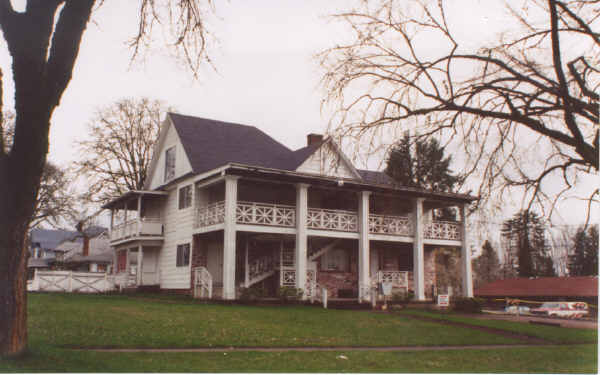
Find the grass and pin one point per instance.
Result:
(120, 321)
(575, 359)
(59, 321)
(555, 334)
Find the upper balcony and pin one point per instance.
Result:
(279, 215)
(136, 215)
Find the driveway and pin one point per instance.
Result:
(569, 323)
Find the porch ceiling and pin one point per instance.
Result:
(132, 195)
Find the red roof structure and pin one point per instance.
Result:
(580, 286)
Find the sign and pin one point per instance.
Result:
(443, 300)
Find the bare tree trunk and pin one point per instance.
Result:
(43, 51)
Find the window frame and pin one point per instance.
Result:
(170, 153)
(185, 201)
(183, 255)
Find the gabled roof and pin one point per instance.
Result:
(210, 144)
(50, 238)
(580, 286)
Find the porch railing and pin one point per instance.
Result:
(265, 214)
(280, 215)
(443, 230)
(398, 279)
(338, 220)
(146, 226)
(203, 283)
(395, 225)
(211, 214)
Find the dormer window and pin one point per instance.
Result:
(170, 164)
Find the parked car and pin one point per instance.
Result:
(517, 309)
(562, 309)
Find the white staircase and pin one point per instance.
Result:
(315, 253)
(260, 268)
(203, 283)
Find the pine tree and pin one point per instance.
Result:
(486, 265)
(422, 166)
(584, 260)
(525, 236)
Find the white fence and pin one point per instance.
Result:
(71, 282)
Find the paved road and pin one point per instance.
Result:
(569, 323)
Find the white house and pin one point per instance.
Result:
(226, 206)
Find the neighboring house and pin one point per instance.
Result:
(227, 203)
(43, 242)
(85, 251)
(577, 288)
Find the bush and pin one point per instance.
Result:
(467, 305)
(403, 297)
(252, 294)
(289, 293)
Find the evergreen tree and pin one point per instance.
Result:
(525, 236)
(584, 260)
(486, 265)
(422, 166)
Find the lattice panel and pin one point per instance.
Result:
(443, 230)
(265, 214)
(211, 214)
(395, 225)
(338, 220)
(288, 278)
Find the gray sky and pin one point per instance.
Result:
(266, 74)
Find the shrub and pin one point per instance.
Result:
(403, 297)
(467, 305)
(252, 293)
(289, 293)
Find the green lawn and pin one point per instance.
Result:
(58, 322)
(550, 333)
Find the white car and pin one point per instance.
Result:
(562, 309)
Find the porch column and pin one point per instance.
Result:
(229, 237)
(115, 264)
(301, 236)
(364, 278)
(127, 262)
(418, 251)
(139, 218)
(140, 258)
(467, 277)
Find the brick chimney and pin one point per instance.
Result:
(313, 138)
(86, 245)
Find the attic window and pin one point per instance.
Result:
(170, 164)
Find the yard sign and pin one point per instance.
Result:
(443, 300)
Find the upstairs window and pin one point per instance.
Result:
(185, 197)
(183, 255)
(170, 164)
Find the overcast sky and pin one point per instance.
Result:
(266, 73)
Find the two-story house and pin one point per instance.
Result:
(226, 206)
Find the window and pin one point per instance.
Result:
(183, 255)
(335, 260)
(185, 197)
(170, 163)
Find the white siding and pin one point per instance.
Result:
(178, 230)
(326, 161)
(182, 164)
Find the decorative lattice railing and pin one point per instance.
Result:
(338, 220)
(265, 214)
(443, 230)
(395, 225)
(211, 214)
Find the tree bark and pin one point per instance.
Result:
(41, 74)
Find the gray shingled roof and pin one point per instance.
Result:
(50, 238)
(210, 144)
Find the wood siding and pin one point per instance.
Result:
(326, 161)
(182, 164)
(177, 231)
